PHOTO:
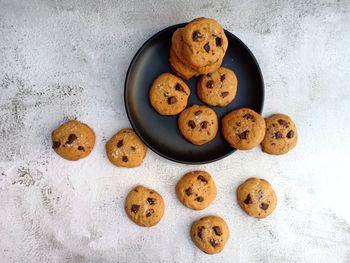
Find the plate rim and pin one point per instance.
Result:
(139, 134)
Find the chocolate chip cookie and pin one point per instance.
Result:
(196, 190)
(179, 62)
(169, 94)
(204, 42)
(218, 88)
(256, 197)
(144, 206)
(73, 140)
(281, 134)
(243, 128)
(125, 149)
(198, 124)
(210, 234)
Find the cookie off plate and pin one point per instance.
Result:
(160, 133)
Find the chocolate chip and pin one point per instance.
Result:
(178, 87)
(243, 135)
(188, 191)
(278, 135)
(248, 200)
(191, 124)
(214, 242)
(290, 134)
(196, 36)
(125, 159)
(204, 124)
(207, 47)
(133, 148)
(71, 138)
(200, 232)
(210, 84)
(81, 148)
(135, 208)
(136, 190)
(56, 144)
(172, 100)
(198, 112)
(151, 200)
(248, 117)
(264, 206)
(199, 199)
(202, 178)
(222, 77)
(238, 124)
(149, 212)
(259, 194)
(217, 230)
(283, 123)
(209, 75)
(218, 41)
(120, 143)
(224, 94)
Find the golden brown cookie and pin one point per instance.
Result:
(198, 124)
(256, 197)
(196, 190)
(281, 134)
(144, 206)
(218, 88)
(210, 234)
(183, 65)
(204, 42)
(169, 94)
(243, 128)
(125, 149)
(73, 140)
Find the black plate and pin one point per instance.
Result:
(160, 133)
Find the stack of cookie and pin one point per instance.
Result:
(198, 48)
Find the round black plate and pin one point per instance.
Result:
(160, 133)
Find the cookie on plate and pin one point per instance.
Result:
(243, 128)
(198, 124)
(169, 94)
(281, 134)
(256, 197)
(204, 42)
(196, 190)
(210, 234)
(125, 149)
(144, 206)
(177, 50)
(218, 88)
(73, 140)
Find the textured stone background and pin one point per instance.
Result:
(62, 59)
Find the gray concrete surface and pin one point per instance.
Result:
(62, 59)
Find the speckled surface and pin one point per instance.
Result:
(68, 59)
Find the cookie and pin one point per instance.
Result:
(196, 190)
(198, 124)
(243, 128)
(169, 94)
(204, 42)
(210, 234)
(144, 206)
(281, 134)
(125, 149)
(183, 65)
(256, 197)
(218, 88)
(180, 68)
(73, 140)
